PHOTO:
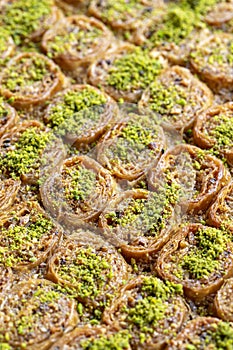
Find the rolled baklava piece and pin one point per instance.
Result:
(198, 257)
(77, 191)
(125, 15)
(91, 338)
(221, 211)
(27, 21)
(5, 279)
(28, 236)
(23, 151)
(132, 146)
(223, 301)
(30, 79)
(151, 310)
(139, 221)
(126, 71)
(42, 314)
(174, 32)
(214, 131)
(199, 175)
(75, 41)
(176, 97)
(204, 333)
(220, 16)
(212, 60)
(81, 114)
(92, 273)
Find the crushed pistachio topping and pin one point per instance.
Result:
(5, 346)
(133, 71)
(28, 72)
(146, 311)
(117, 341)
(88, 272)
(22, 18)
(112, 10)
(26, 155)
(4, 40)
(176, 26)
(3, 112)
(219, 336)
(74, 41)
(167, 101)
(82, 183)
(146, 216)
(203, 258)
(77, 111)
(18, 242)
(199, 6)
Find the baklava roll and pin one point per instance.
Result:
(77, 191)
(223, 301)
(220, 17)
(151, 310)
(220, 212)
(27, 21)
(214, 131)
(92, 273)
(86, 338)
(198, 257)
(5, 279)
(30, 79)
(75, 41)
(174, 33)
(176, 97)
(131, 147)
(23, 151)
(27, 236)
(204, 333)
(125, 15)
(212, 60)
(199, 175)
(42, 314)
(126, 71)
(8, 117)
(139, 221)
(81, 114)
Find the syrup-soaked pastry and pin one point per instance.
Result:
(220, 16)
(34, 314)
(5, 279)
(204, 333)
(30, 79)
(132, 146)
(92, 273)
(126, 71)
(22, 151)
(77, 191)
(124, 14)
(212, 60)
(199, 174)
(86, 338)
(81, 114)
(198, 257)
(27, 21)
(214, 131)
(176, 97)
(174, 33)
(8, 193)
(8, 117)
(147, 308)
(223, 301)
(221, 211)
(138, 221)
(76, 41)
(27, 236)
